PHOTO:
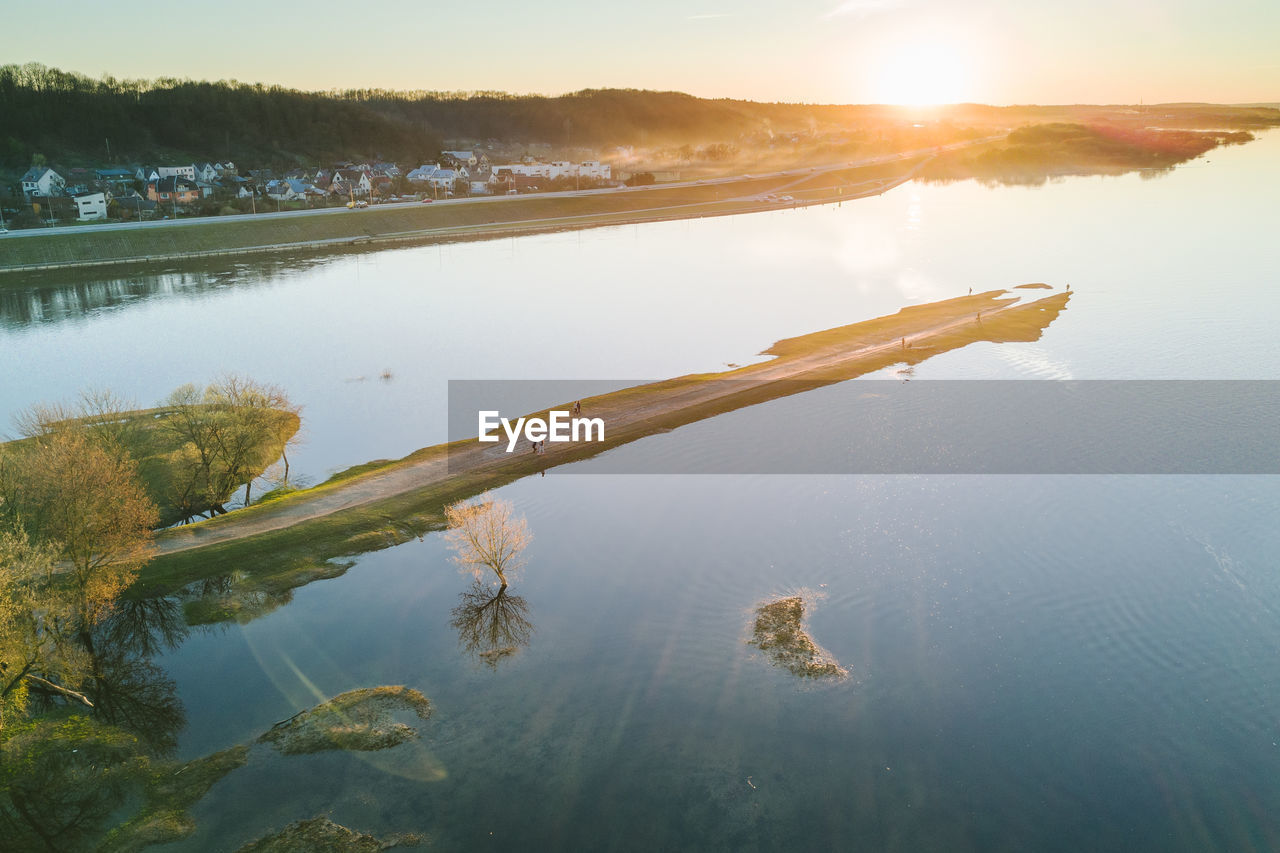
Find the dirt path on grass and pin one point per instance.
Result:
(909, 336)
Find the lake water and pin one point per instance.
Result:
(1036, 662)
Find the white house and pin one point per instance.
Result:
(421, 174)
(40, 181)
(91, 206)
(288, 189)
(443, 179)
(188, 172)
(559, 169)
(206, 172)
(350, 182)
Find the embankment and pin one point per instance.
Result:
(459, 219)
(388, 502)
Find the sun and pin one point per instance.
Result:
(923, 73)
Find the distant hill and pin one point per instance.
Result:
(70, 118)
(73, 119)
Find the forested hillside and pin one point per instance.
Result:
(72, 118)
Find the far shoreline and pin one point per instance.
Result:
(458, 220)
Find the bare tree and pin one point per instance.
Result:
(491, 625)
(485, 534)
(111, 419)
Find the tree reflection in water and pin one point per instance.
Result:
(492, 624)
(66, 773)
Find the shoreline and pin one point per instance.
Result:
(450, 221)
(384, 503)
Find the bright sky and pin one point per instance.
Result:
(832, 51)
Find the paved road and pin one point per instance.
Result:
(202, 220)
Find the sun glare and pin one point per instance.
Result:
(922, 74)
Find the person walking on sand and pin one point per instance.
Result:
(971, 291)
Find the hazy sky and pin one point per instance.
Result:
(994, 51)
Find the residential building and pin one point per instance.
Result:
(114, 177)
(134, 206)
(40, 181)
(461, 158)
(91, 205)
(350, 182)
(444, 179)
(288, 189)
(173, 190)
(422, 173)
(188, 172)
(593, 169)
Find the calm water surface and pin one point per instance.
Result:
(1057, 663)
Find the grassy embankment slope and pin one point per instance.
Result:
(284, 543)
(457, 220)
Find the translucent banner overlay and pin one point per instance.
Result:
(732, 426)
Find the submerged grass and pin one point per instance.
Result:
(779, 633)
(356, 720)
(171, 790)
(321, 835)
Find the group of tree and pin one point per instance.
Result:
(1033, 154)
(70, 116)
(73, 117)
(77, 514)
(227, 433)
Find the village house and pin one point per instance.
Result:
(350, 182)
(593, 169)
(502, 179)
(289, 189)
(40, 181)
(173, 190)
(188, 172)
(135, 206)
(91, 205)
(444, 179)
(114, 177)
(460, 158)
(421, 174)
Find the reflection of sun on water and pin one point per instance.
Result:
(923, 73)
